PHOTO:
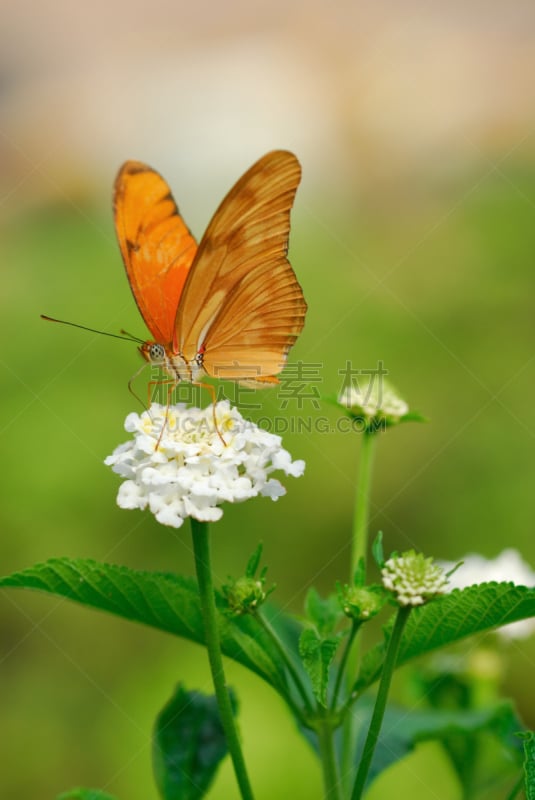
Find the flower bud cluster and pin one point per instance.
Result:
(413, 579)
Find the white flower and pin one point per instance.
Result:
(178, 466)
(413, 578)
(508, 566)
(374, 398)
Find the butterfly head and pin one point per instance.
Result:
(153, 352)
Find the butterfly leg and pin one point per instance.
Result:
(131, 388)
(171, 386)
(171, 389)
(150, 384)
(211, 390)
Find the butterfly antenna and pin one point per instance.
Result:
(131, 336)
(128, 337)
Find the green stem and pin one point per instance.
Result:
(516, 789)
(201, 548)
(362, 503)
(380, 701)
(343, 662)
(290, 666)
(331, 783)
(359, 551)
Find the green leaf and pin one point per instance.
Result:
(450, 618)
(288, 630)
(402, 731)
(85, 794)
(413, 416)
(323, 613)
(529, 763)
(359, 576)
(317, 654)
(478, 760)
(254, 561)
(377, 550)
(165, 601)
(188, 745)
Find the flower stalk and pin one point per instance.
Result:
(331, 781)
(201, 548)
(343, 663)
(380, 701)
(362, 502)
(358, 557)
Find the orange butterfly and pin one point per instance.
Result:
(230, 308)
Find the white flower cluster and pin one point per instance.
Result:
(374, 398)
(413, 578)
(507, 566)
(179, 464)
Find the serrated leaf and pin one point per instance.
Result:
(165, 601)
(529, 763)
(188, 745)
(317, 655)
(323, 613)
(450, 618)
(85, 794)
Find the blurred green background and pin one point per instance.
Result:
(413, 238)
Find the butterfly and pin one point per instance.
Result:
(230, 307)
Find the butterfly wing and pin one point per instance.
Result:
(156, 245)
(242, 306)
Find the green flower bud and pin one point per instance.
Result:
(361, 603)
(245, 595)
